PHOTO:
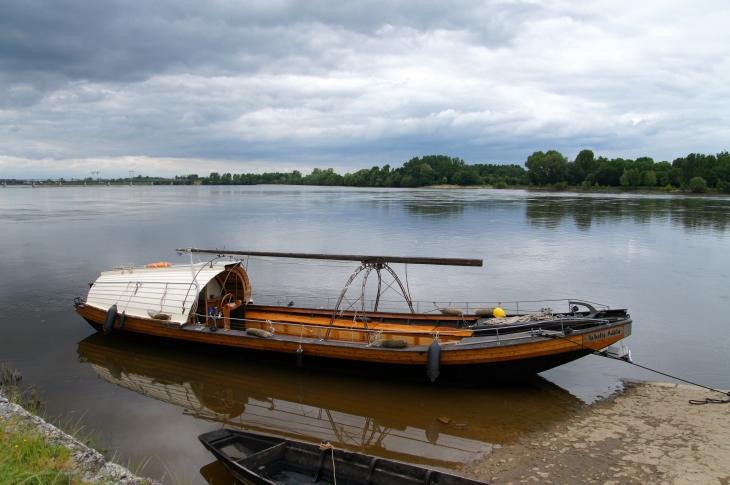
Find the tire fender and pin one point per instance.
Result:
(111, 315)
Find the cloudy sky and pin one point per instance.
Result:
(173, 87)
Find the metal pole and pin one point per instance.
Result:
(369, 259)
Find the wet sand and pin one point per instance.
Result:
(647, 434)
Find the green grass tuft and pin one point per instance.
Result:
(26, 457)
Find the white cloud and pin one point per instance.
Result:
(292, 84)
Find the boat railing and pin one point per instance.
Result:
(521, 307)
(499, 332)
(185, 293)
(567, 324)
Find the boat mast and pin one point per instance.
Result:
(370, 259)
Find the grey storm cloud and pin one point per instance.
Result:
(130, 41)
(281, 84)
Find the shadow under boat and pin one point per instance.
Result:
(389, 419)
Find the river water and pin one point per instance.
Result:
(665, 257)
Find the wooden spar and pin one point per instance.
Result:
(345, 257)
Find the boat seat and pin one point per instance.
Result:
(287, 477)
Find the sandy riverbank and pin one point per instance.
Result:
(647, 434)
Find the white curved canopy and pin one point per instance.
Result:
(168, 290)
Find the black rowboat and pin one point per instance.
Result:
(256, 459)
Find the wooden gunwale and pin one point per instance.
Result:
(345, 324)
(416, 355)
(372, 315)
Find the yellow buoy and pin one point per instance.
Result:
(499, 313)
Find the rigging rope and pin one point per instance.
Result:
(691, 401)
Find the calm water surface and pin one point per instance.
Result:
(663, 257)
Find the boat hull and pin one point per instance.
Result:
(269, 460)
(479, 365)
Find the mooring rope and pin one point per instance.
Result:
(324, 446)
(691, 401)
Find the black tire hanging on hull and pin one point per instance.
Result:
(122, 317)
(433, 360)
(111, 315)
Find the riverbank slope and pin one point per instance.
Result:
(647, 434)
(86, 464)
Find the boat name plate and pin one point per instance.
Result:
(604, 334)
(175, 326)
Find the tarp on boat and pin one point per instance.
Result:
(137, 291)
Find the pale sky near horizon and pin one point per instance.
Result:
(176, 87)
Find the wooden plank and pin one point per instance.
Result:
(340, 323)
(375, 315)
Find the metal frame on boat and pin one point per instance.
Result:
(210, 303)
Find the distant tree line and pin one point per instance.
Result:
(417, 172)
(695, 172)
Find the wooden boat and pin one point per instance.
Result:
(256, 459)
(210, 303)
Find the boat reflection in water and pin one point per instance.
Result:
(382, 418)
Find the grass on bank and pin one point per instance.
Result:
(27, 458)
(25, 455)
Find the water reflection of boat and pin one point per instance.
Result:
(455, 347)
(388, 419)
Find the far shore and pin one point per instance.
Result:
(576, 190)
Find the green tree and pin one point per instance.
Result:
(579, 169)
(468, 177)
(697, 184)
(721, 170)
(214, 178)
(695, 165)
(676, 177)
(644, 164)
(650, 178)
(547, 168)
(333, 179)
(408, 181)
(630, 178)
(609, 172)
(357, 179)
(393, 180)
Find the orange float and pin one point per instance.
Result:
(158, 265)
